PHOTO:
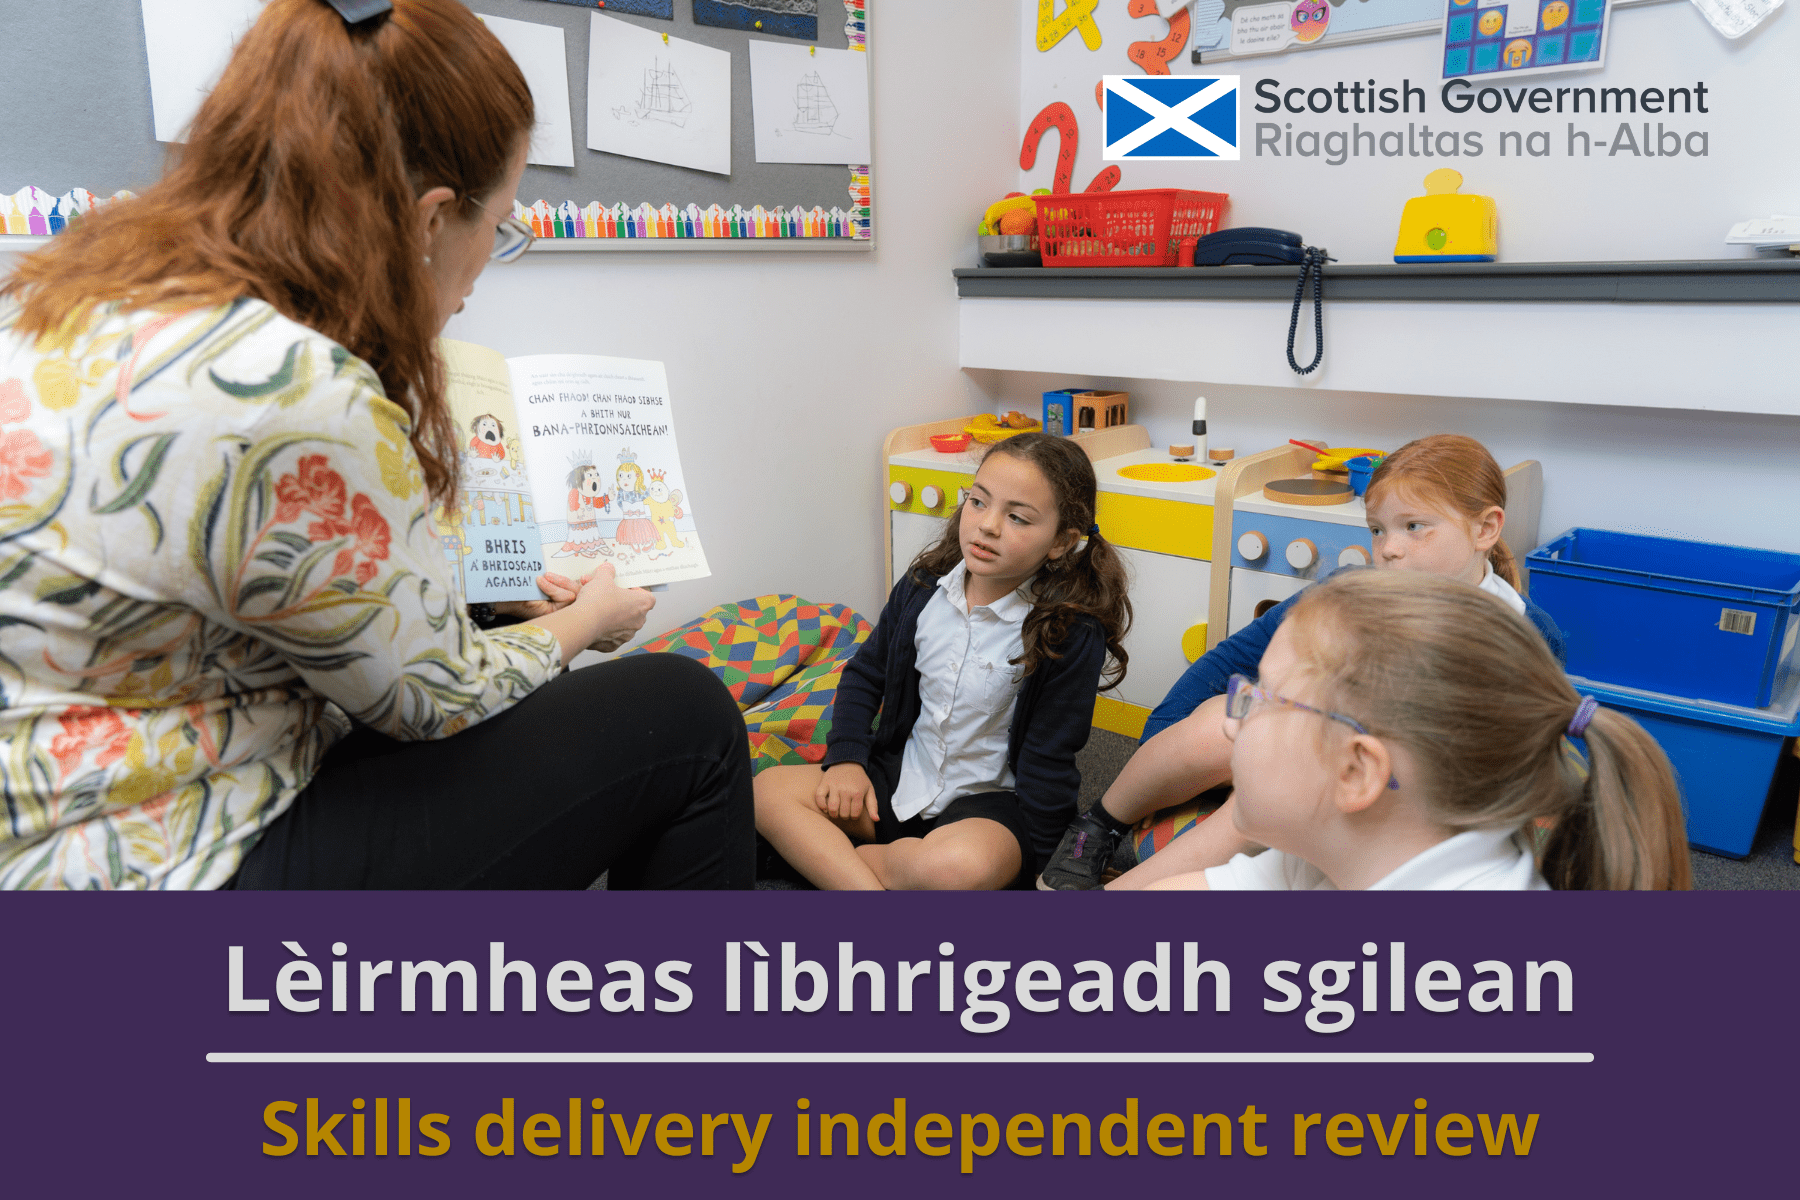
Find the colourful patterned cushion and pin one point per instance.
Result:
(1156, 831)
(781, 657)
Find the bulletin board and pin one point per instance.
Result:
(81, 118)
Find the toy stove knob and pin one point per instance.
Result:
(1252, 546)
(1353, 556)
(1301, 553)
(931, 496)
(899, 491)
(962, 493)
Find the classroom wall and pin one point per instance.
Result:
(787, 370)
(1606, 204)
(1714, 476)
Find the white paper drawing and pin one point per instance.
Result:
(188, 43)
(666, 101)
(809, 105)
(538, 49)
(660, 98)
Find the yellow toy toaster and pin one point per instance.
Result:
(1443, 226)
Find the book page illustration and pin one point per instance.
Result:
(663, 99)
(809, 105)
(606, 478)
(491, 537)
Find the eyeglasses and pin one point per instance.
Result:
(1240, 694)
(512, 237)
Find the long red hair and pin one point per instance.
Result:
(298, 186)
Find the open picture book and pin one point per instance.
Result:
(567, 461)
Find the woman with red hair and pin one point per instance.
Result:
(230, 650)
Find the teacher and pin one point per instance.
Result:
(230, 651)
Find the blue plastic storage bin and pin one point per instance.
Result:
(1691, 619)
(1724, 756)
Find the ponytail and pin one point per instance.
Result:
(1505, 565)
(1090, 581)
(1415, 658)
(1624, 832)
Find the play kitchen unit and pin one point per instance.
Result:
(1207, 549)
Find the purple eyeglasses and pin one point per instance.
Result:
(1240, 694)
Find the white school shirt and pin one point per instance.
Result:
(1476, 860)
(1493, 585)
(967, 689)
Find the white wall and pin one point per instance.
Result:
(1552, 209)
(1716, 476)
(787, 369)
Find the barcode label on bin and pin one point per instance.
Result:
(1736, 620)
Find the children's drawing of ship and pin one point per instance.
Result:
(815, 113)
(662, 98)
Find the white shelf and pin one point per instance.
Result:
(1646, 355)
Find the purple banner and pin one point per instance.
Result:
(1379, 1044)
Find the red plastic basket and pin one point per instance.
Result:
(1142, 228)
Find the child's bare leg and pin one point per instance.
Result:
(1177, 764)
(972, 855)
(1208, 844)
(813, 844)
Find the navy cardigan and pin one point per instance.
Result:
(1050, 724)
(1240, 653)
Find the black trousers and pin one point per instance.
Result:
(637, 767)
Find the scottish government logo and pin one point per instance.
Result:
(1162, 117)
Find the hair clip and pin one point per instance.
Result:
(1094, 530)
(1583, 714)
(355, 12)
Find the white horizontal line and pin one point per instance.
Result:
(724, 1057)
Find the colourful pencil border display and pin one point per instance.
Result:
(33, 212)
(596, 220)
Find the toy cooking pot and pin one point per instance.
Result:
(1361, 468)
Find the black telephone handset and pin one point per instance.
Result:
(1253, 246)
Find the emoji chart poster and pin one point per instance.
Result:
(1267, 28)
(1523, 37)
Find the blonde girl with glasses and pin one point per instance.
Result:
(1411, 733)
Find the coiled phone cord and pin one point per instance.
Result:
(1312, 265)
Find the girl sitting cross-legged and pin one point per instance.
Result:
(983, 668)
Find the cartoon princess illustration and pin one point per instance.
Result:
(630, 488)
(665, 507)
(587, 501)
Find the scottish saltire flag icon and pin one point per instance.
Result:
(1163, 117)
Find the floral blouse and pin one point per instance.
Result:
(214, 547)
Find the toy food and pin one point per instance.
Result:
(1015, 202)
(1442, 226)
(1018, 222)
(987, 428)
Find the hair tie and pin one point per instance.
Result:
(1583, 714)
(355, 12)
(1094, 530)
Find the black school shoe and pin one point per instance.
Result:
(1081, 857)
